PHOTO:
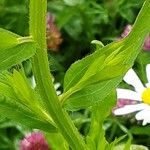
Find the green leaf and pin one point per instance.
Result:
(14, 49)
(73, 2)
(20, 103)
(22, 115)
(98, 44)
(140, 65)
(90, 95)
(132, 147)
(127, 144)
(140, 130)
(112, 145)
(138, 147)
(81, 66)
(15, 55)
(15, 86)
(91, 79)
(64, 18)
(56, 141)
(100, 111)
(8, 39)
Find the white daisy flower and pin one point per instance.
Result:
(141, 95)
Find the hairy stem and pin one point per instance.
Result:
(44, 80)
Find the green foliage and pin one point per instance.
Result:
(8, 39)
(13, 16)
(92, 74)
(88, 20)
(14, 49)
(132, 147)
(88, 83)
(20, 103)
(92, 70)
(96, 136)
(56, 141)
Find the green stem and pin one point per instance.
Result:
(44, 80)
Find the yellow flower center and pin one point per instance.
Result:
(146, 96)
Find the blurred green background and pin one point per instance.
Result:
(79, 22)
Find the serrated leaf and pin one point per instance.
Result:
(119, 57)
(81, 66)
(90, 95)
(20, 103)
(88, 87)
(15, 86)
(16, 54)
(22, 115)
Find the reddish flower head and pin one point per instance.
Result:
(34, 141)
(53, 34)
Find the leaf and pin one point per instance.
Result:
(98, 44)
(91, 75)
(15, 86)
(56, 141)
(14, 49)
(86, 80)
(140, 130)
(90, 95)
(127, 144)
(138, 147)
(23, 116)
(73, 2)
(140, 65)
(8, 39)
(81, 66)
(112, 145)
(16, 54)
(64, 18)
(20, 103)
(132, 147)
(100, 112)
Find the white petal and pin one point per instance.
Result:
(132, 79)
(130, 109)
(144, 115)
(145, 122)
(148, 72)
(128, 94)
(57, 85)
